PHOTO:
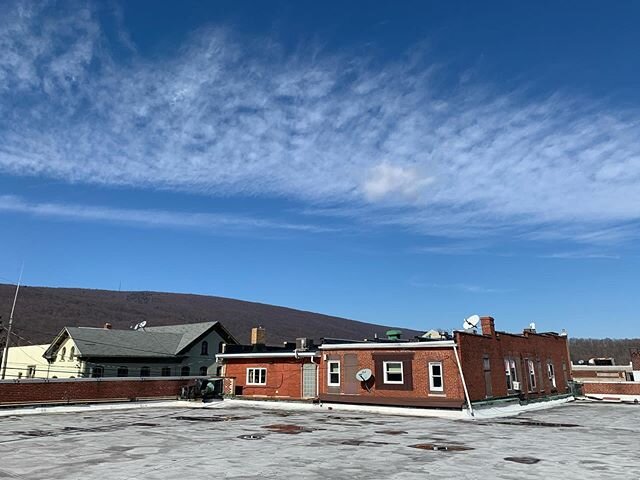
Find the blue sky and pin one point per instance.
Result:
(405, 164)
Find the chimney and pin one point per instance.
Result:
(107, 326)
(258, 336)
(635, 360)
(488, 326)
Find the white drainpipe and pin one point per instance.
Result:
(464, 383)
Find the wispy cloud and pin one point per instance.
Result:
(220, 224)
(465, 287)
(227, 115)
(580, 254)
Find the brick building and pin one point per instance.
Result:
(436, 373)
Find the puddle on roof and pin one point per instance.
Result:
(288, 428)
(215, 418)
(358, 443)
(392, 432)
(441, 447)
(525, 460)
(536, 423)
(252, 436)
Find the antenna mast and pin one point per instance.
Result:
(5, 354)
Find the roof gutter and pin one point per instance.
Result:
(294, 354)
(395, 346)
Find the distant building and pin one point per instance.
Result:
(431, 373)
(614, 383)
(27, 362)
(172, 350)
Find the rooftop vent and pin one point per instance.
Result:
(394, 334)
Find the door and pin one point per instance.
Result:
(309, 372)
(350, 368)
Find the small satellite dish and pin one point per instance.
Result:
(471, 322)
(532, 326)
(364, 374)
(136, 326)
(142, 324)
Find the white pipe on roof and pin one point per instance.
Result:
(267, 355)
(374, 345)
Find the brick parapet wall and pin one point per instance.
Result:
(58, 391)
(611, 388)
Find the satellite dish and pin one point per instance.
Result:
(471, 322)
(142, 324)
(136, 326)
(364, 374)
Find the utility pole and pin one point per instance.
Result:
(5, 354)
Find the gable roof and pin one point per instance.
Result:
(162, 342)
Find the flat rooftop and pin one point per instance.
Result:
(576, 440)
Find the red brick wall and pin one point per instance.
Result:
(85, 390)
(284, 376)
(519, 347)
(419, 376)
(612, 388)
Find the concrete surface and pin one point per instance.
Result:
(154, 443)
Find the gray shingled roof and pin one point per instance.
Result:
(188, 331)
(100, 342)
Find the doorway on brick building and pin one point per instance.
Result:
(486, 365)
(309, 373)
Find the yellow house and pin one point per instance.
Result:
(28, 362)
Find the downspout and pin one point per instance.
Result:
(464, 383)
(317, 377)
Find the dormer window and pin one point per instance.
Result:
(204, 348)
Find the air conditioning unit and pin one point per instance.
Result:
(303, 344)
(516, 385)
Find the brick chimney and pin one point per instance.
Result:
(258, 336)
(488, 326)
(107, 326)
(635, 360)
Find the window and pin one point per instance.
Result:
(204, 348)
(531, 369)
(122, 372)
(185, 371)
(203, 371)
(256, 376)
(552, 374)
(165, 372)
(435, 377)
(145, 372)
(333, 377)
(511, 372)
(97, 372)
(31, 371)
(72, 353)
(393, 372)
(63, 354)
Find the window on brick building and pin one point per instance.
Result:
(436, 379)
(145, 372)
(552, 374)
(122, 372)
(256, 376)
(333, 369)
(393, 372)
(511, 372)
(531, 370)
(165, 372)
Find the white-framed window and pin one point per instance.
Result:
(256, 376)
(552, 374)
(511, 372)
(393, 372)
(531, 369)
(436, 379)
(333, 372)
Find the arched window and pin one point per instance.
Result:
(63, 353)
(123, 372)
(185, 371)
(145, 372)
(203, 371)
(204, 348)
(220, 347)
(72, 353)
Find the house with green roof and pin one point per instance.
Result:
(168, 351)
